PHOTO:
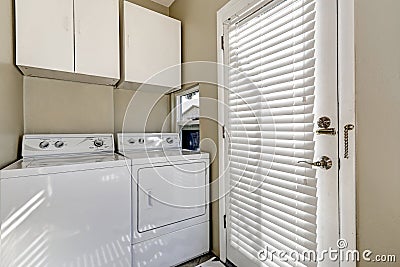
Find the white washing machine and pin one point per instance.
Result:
(66, 203)
(170, 195)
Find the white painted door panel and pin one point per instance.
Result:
(327, 104)
(170, 194)
(282, 79)
(44, 34)
(67, 219)
(97, 37)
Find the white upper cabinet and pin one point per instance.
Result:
(96, 37)
(45, 34)
(74, 40)
(151, 52)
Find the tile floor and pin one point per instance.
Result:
(198, 260)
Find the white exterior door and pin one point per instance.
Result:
(281, 79)
(97, 38)
(45, 34)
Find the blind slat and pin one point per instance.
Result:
(280, 229)
(270, 162)
(278, 154)
(274, 13)
(255, 138)
(286, 31)
(307, 228)
(260, 182)
(259, 179)
(275, 88)
(296, 216)
(285, 183)
(238, 99)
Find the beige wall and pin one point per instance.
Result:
(53, 106)
(11, 107)
(378, 125)
(199, 43)
(152, 5)
(138, 112)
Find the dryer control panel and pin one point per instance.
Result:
(148, 141)
(45, 145)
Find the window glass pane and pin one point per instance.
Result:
(188, 120)
(190, 106)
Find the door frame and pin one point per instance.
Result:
(346, 112)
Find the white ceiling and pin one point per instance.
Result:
(166, 3)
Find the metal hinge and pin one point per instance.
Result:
(224, 221)
(222, 43)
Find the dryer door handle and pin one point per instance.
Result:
(149, 198)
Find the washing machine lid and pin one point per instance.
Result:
(65, 163)
(70, 160)
(51, 153)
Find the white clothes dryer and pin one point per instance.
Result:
(170, 199)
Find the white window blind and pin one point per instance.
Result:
(272, 200)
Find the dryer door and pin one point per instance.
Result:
(169, 194)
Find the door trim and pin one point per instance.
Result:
(346, 96)
(347, 114)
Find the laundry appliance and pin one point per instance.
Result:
(66, 203)
(170, 199)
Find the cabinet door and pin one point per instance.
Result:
(152, 45)
(97, 37)
(44, 34)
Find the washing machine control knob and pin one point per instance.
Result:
(59, 144)
(98, 143)
(169, 140)
(44, 144)
(131, 141)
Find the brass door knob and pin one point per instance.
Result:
(324, 163)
